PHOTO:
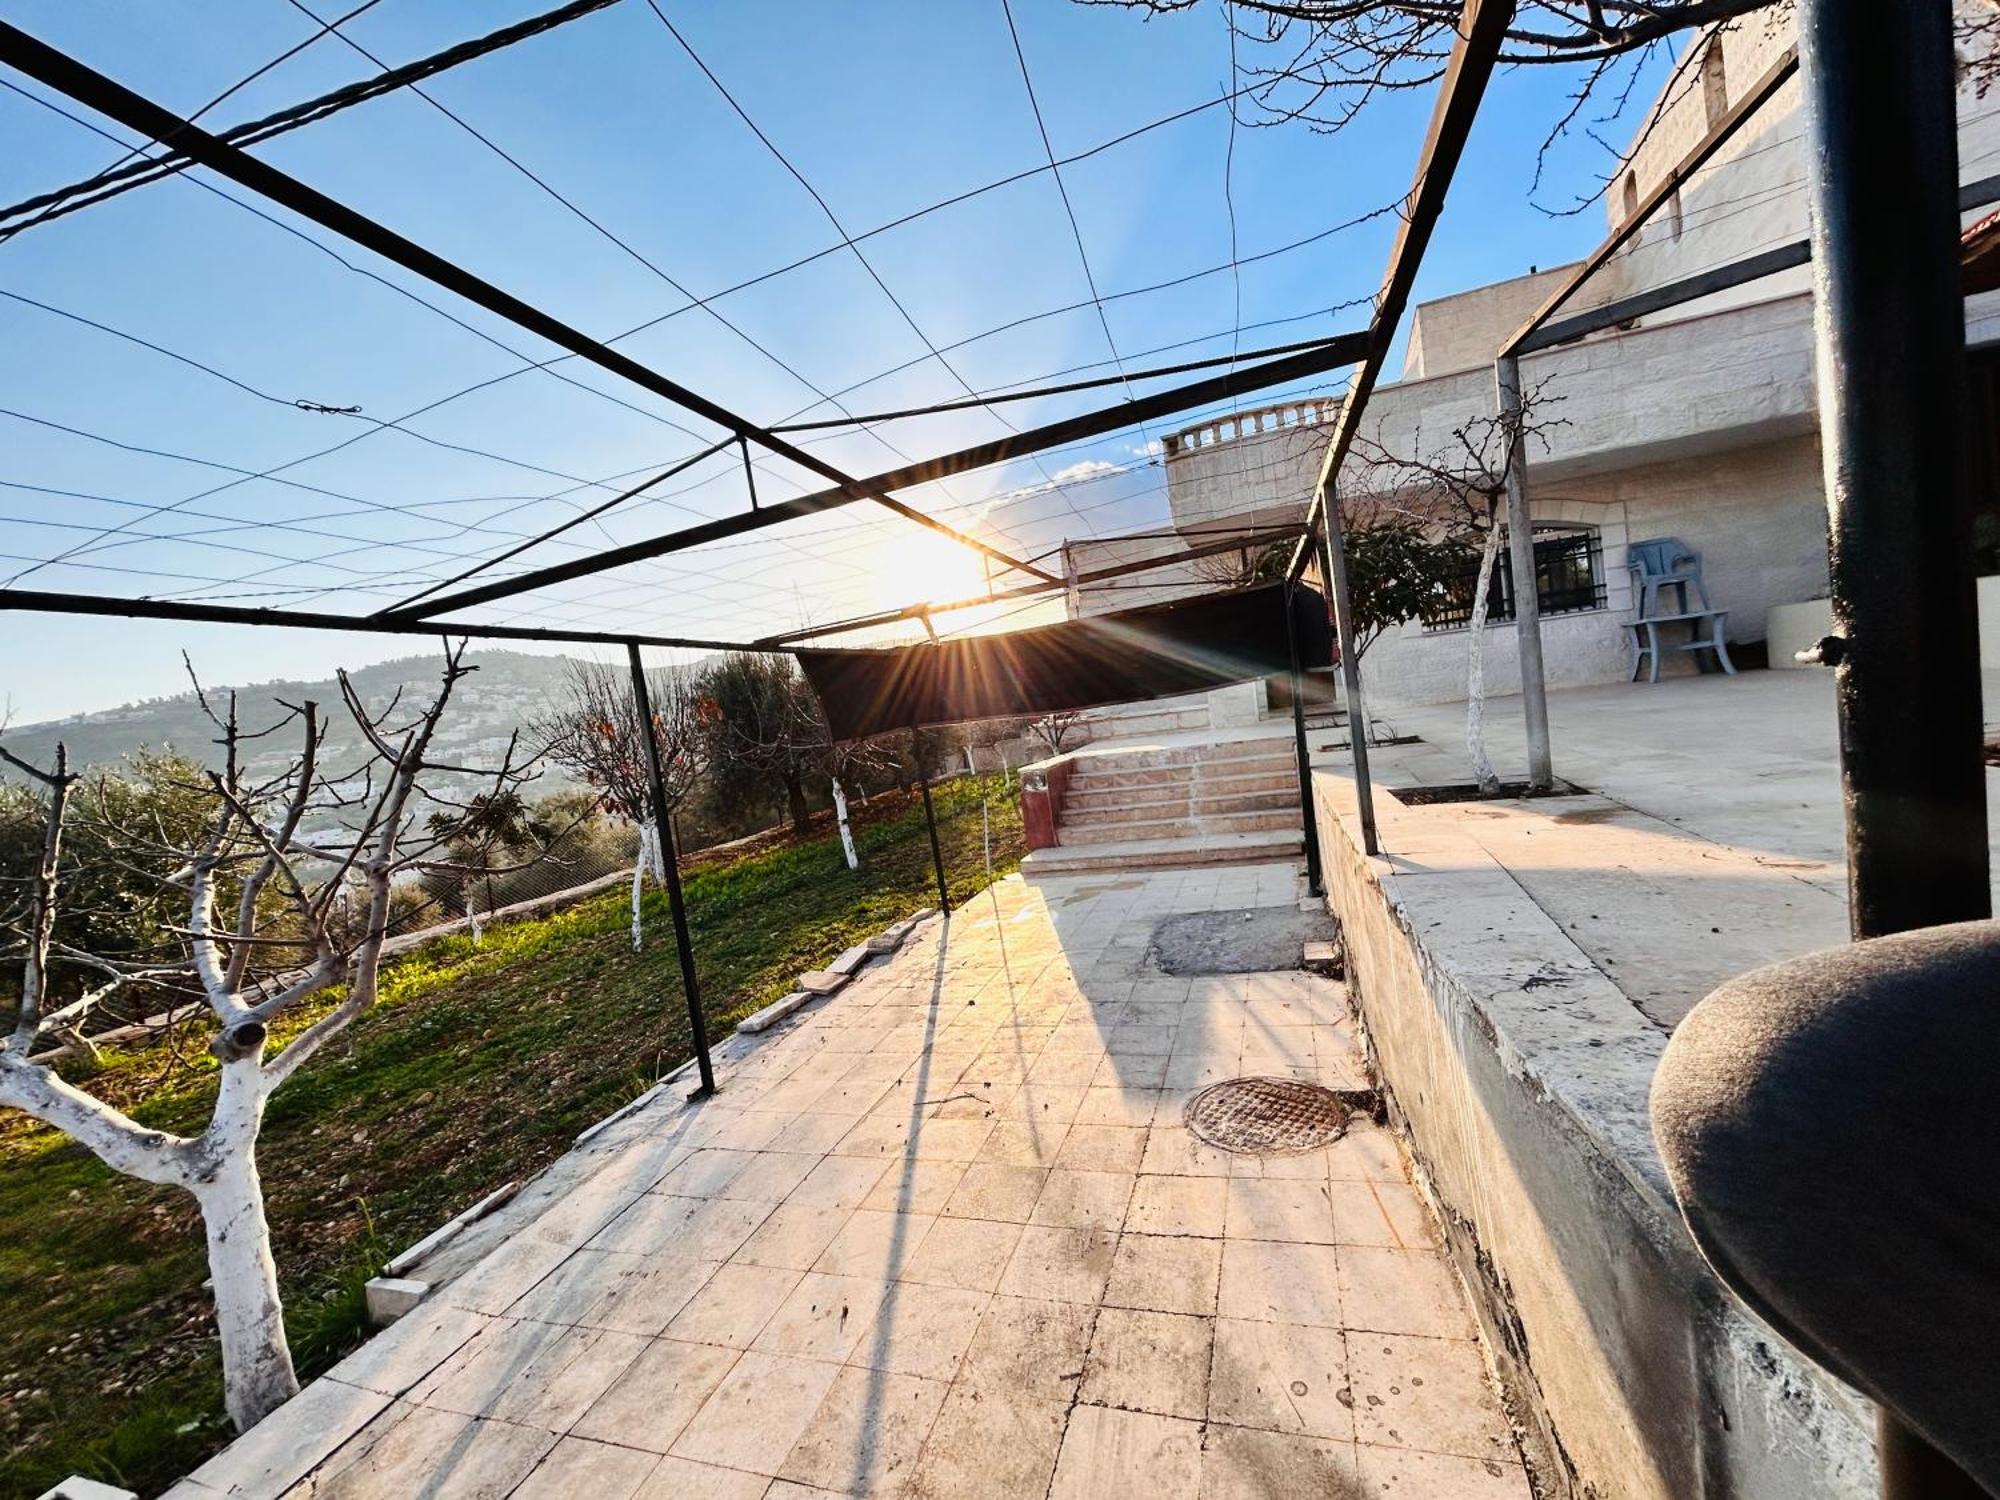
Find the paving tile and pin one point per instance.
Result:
(839, 1182)
(921, 1330)
(1402, 1291)
(1028, 1349)
(770, 1176)
(1178, 1205)
(1294, 1210)
(648, 1300)
(1083, 1200)
(998, 1191)
(1402, 1474)
(865, 1437)
(968, 1253)
(275, 1453)
(985, 1447)
(1106, 1452)
(1165, 1273)
(413, 1450)
(705, 1174)
(794, 1236)
(824, 1318)
(1035, 1143)
(409, 1349)
(1241, 1464)
(1380, 1213)
(874, 1244)
(1281, 1378)
(1364, 1153)
(577, 1466)
(1103, 1148)
(1426, 1393)
(1062, 1265)
(570, 1292)
(656, 1395)
(1173, 1151)
(916, 1187)
(756, 1414)
(1149, 1361)
(1118, 1105)
(1280, 1283)
(681, 1479)
(733, 1305)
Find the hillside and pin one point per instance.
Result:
(510, 689)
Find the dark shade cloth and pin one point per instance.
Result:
(1159, 651)
(1831, 1127)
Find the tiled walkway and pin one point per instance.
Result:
(949, 1238)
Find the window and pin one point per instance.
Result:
(1631, 194)
(1569, 577)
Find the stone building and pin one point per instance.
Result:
(1696, 423)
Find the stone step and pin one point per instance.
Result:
(1105, 791)
(1166, 761)
(1178, 828)
(1165, 854)
(1182, 807)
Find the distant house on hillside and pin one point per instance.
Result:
(1697, 423)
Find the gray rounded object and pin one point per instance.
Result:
(1831, 1127)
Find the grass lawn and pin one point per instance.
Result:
(479, 1067)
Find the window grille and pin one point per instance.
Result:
(1569, 577)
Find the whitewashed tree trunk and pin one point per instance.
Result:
(1475, 685)
(648, 859)
(257, 1373)
(846, 833)
(985, 818)
(472, 915)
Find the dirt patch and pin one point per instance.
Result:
(1252, 941)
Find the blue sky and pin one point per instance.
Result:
(884, 108)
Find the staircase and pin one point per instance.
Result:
(1140, 806)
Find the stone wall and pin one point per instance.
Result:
(1519, 1075)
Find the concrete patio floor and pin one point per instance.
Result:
(947, 1236)
(1710, 842)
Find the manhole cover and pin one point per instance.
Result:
(1266, 1116)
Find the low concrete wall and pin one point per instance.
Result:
(1519, 1073)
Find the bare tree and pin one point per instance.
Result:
(1054, 729)
(251, 968)
(1456, 493)
(593, 732)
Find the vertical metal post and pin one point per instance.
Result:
(1527, 588)
(1315, 881)
(930, 822)
(1350, 665)
(670, 861)
(1882, 185)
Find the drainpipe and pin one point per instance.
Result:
(1882, 183)
(1527, 590)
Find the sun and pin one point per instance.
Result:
(916, 566)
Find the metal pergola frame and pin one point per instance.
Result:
(1473, 58)
(1882, 135)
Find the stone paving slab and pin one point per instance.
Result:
(947, 1236)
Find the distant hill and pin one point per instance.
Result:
(509, 690)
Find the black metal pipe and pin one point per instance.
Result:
(663, 823)
(1340, 600)
(1882, 186)
(930, 822)
(1315, 884)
